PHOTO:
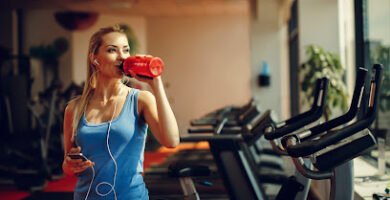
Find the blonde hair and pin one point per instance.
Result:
(90, 83)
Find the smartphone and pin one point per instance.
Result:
(77, 156)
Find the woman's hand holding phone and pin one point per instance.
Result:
(75, 156)
(76, 162)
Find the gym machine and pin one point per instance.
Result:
(274, 136)
(332, 152)
(232, 155)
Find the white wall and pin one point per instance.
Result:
(80, 41)
(207, 62)
(318, 24)
(269, 43)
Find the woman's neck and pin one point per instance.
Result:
(107, 90)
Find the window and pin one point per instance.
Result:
(372, 20)
(373, 46)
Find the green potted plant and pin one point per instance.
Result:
(49, 56)
(321, 63)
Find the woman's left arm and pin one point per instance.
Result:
(158, 113)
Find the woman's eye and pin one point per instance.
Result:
(111, 50)
(126, 50)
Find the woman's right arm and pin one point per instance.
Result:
(68, 121)
(71, 166)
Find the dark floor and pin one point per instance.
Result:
(50, 196)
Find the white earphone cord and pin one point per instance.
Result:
(115, 164)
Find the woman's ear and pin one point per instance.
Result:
(93, 60)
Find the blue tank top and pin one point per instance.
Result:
(118, 165)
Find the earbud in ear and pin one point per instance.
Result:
(96, 62)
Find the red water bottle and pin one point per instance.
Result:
(143, 65)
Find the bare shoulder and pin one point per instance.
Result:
(70, 107)
(145, 99)
(145, 95)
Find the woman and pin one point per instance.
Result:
(109, 121)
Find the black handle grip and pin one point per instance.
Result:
(248, 116)
(318, 101)
(306, 118)
(309, 147)
(218, 128)
(258, 130)
(246, 107)
(350, 114)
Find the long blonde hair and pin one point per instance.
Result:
(90, 83)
